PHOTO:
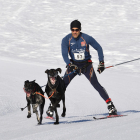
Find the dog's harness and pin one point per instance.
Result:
(39, 93)
(53, 89)
(44, 96)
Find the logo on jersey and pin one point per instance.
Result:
(78, 50)
(72, 44)
(83, 43)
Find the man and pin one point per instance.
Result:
(76, 44)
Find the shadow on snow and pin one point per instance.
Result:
(82, 118)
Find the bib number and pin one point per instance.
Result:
(79, 56)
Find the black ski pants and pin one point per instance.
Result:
(90, 75)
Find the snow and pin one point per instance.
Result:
(30, 42)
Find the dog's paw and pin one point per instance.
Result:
(63, 114)
(39, 123)
(56, 123)
(29, 116)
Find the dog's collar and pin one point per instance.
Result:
(55, 86)
(34, 89)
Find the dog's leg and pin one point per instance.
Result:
(41, 109)
(64, 107)
(35, 111)
(57, 117)
(37, 116)
(29, 110)
(41, 112)
(55, 103)
(50, 110)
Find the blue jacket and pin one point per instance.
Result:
(78, 48)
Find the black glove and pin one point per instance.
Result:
(101, 67)
(72, 67)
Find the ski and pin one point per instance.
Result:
(51, 118)
(110, 116)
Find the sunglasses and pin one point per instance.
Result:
(75, 30)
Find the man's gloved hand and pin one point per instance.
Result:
(101, 67)
(72, 67)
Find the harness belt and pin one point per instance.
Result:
(84, 68)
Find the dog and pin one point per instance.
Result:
(34, 96)
(55, 90)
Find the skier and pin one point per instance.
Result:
(76, 44)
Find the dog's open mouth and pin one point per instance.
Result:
(53, 80)
(28, 94)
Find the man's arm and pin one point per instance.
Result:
(64, 50)
(97, 47)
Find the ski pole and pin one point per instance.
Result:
(23, 108)
(122, 63)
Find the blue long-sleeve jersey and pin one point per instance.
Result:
(78, 48)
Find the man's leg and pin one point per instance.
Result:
(91, 76)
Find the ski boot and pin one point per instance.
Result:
(111, 108)
(50, 111)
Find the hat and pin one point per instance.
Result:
(75, 24)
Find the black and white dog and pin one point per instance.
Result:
(32, 89)
(55, 90)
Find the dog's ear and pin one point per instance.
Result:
(47, 71)
(27, 81)
(33, 81)
(59, 69)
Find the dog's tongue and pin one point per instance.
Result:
(53, 80)
(28, 94)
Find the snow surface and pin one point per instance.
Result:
(30, 42)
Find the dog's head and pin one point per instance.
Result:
(52, 75)
(29, 87)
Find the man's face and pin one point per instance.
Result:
(75, 32)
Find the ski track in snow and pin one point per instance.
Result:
(30, 42)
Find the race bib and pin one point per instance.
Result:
(79, 56)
